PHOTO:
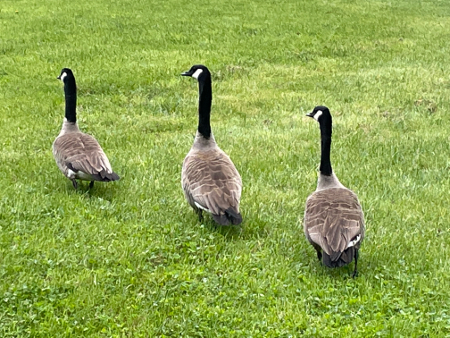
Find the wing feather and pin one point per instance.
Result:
(333, 217)
(81, 152)
(210, 179)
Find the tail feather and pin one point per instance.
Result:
(229, 217)
(105, 177)
(338, 259)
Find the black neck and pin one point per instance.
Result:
(325, 163)
(204, 106)
(70, 91)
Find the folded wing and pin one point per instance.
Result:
(82, 154)
(333, 219)
(212, 183)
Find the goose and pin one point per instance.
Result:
(333, 220)
(79, 155)
(209, 179)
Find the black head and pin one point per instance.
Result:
(321, 114)
(198, 72)
(66, 73)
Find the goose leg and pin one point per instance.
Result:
(91, 185)
(319, 255)
(75, 184)
(355, 272)
(318, 251)
(200, 215)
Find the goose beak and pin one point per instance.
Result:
(310, 114)
(186, 74)
(59, 77)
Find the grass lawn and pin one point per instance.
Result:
(129, 259)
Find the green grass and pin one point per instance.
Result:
(129, 259)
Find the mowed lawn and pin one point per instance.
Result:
(130, 259)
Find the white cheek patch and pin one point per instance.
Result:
(63, 75)
(353, 243)
(197, 73)
(317, 115)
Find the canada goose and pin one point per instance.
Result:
(334, 220)
(78, 155)
(209, 178)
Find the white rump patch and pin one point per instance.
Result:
(63, 75)
(317, 115)
(353, 243)
(199, 206)
(197, 73)
(80, 175)
(71, 174)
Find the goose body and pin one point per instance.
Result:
(333, 220)
(79, 155)
(209, 179)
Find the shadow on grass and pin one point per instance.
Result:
(247, 230)
(342, 273)
(229, 232)
(106, 191)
